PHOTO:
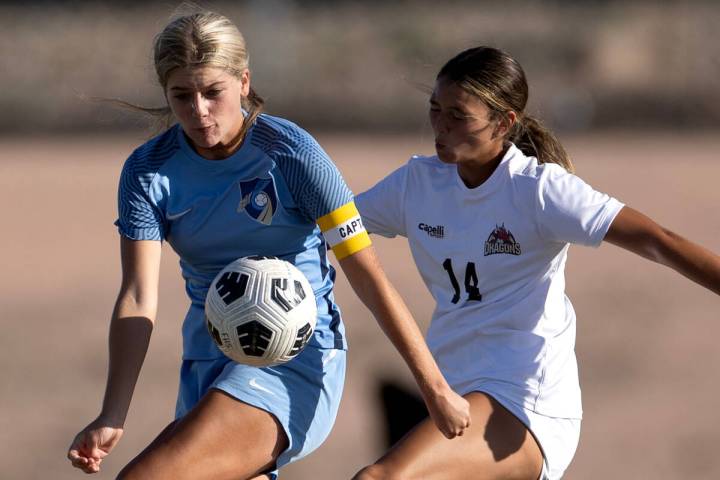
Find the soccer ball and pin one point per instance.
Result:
(260, 311)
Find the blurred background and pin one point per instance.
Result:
(632, 89)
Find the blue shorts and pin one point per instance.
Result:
(303, 394)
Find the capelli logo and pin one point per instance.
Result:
(437, 231)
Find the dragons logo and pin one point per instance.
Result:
(501, 241)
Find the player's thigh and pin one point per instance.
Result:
(221, 438)
(496, 446)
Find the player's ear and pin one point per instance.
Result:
(505, 124)
(245, 83)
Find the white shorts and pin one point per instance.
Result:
(558, 437)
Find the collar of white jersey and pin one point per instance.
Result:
(496, 179)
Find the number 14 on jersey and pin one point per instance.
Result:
(471, 281)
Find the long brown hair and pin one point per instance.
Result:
(499, 81)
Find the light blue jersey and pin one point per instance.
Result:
(263, 200)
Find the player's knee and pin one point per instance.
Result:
(375, 472)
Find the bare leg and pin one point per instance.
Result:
(221, 438)
(496, 446)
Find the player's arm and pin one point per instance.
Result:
(132, 323)
(637, 233)
(130, 328)
(344, 232)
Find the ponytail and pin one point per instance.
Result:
(534, 140)
(254, 104)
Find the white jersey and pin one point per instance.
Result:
(493, 258)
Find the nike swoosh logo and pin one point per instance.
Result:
(331, 355)
(253, 383)
(175, 216)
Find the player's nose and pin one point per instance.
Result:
(199, 106)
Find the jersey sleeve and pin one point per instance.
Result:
(323, 196)
(138, 216)
(571, 211)
(382, 207)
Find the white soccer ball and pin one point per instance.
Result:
(260, 311)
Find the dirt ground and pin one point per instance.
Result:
(647, 338)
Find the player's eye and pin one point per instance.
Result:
(182, 97)
(213, 93)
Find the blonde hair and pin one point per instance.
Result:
(201, 39)
(499, 81)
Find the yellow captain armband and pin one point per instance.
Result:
(344, 231)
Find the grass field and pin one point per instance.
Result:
(647, 338)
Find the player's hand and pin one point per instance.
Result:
(93, 444)
(449, 411)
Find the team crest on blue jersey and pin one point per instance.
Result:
(258, 199)
(501, 241)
